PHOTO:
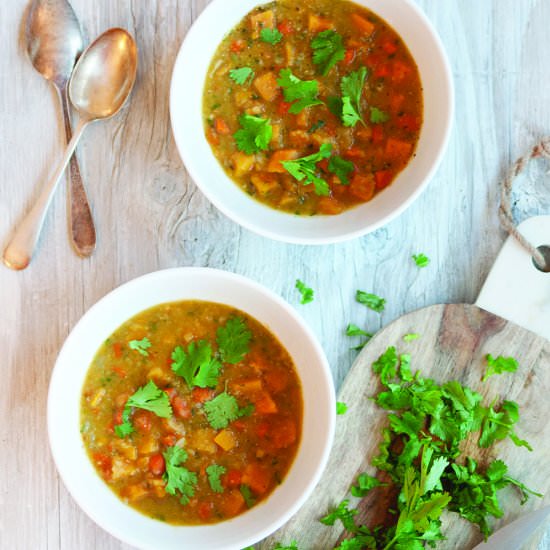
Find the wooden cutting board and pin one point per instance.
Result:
(454, 341)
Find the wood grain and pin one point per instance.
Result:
(455, 339)
(149, 215)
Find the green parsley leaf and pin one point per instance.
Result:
(352, 89)
(177, 477)
(140, 346)
(365, 484)
(421, 260)
(254, 135)
(233, 340)
(305, 168)
(354, 330)
(341, 408)
(499, 365)
(303, 92)
(411, 336)
(247, 495)
(328, 49)
(386, 365)
(224, 409)
(372, 301)
(305, 291)
(271, 36)
(292, 546)
(197, 366)
(341, 168)
(377, 116)
(214, 472)
(241, 75)
(342, 513)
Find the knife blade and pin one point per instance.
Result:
(515, 534)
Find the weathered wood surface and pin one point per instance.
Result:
(150, 215)
(454, 341)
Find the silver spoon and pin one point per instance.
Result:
(100, 84)
(54, 42)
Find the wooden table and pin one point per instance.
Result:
(150, 215)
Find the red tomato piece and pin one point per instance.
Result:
(377, 135)
(232, 478)
(408, 122)
(383, 178)
(200, 395)
(180, 407)
(285, 27)
(142, 421)
(382, 71)
(117, 350)
(205, 510)
(262, 429)
(169, 440)
(157, 466)
(389, 47)
(349, 56)
(283, 107)
(238, 46)
(104, 463)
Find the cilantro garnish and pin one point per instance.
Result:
(365, 483)
(341, 408)
(372, 301)
(292, 546)
(233, 340)
(352, 89)
(354, 330)
(411, 336)
(342, 513)
(499, 365)
(341, 168)
(302, 92)
(254, 135)
(196, 366)
(271, 36)
(140, 346)
(305, 168)
(241, 75)
(378, 116)
(214, 472)
(247, 495)
(224, 409)
(177, 477)
(305, 291)
(148, 397)
(328, 49)
(421, 260)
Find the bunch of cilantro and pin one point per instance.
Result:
(420, 453)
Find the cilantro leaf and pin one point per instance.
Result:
(499, 365)
(372, 301)
(328, 49)
(306, 292)
(411, 336)
(341, 408)
(241, 75)
(224, 409)
(247, 495)
(354, 330)
(197, 366)
(386, 365)
(377, 116)
(421, 260)
(254, 135)
(365, 484)
(271, 36)
(140, 346)
(214, 472)
(342, 513)
(233, 340)
(341, 168)
(292, 546)
(177, 477)
(303, 92)
(352, 89)
(305, 168)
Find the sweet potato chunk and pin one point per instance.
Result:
(362, 186)
(274, 164)
(266, 85)
(242, 163)
(263, 20)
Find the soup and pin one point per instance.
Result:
(312, 107)
(191, 412)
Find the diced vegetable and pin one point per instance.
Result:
(266, 85)
(226, 440)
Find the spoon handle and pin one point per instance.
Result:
(81, 223)
(18, 253)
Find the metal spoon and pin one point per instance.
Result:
(54, 43)
(100, 84)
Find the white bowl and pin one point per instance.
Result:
(188, 77)
(74, 466)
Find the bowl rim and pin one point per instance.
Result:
(445, 84)
(124, 532)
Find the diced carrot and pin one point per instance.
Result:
(283, 433)
(221, 126)
(389, 47)
(302, 119)
(232, 478)
(226, 440)
(246, 386)
(237, 46)
(119, 371)
(274, 164)
(157, 466)
(349, 56)
(169, 440)
(396, 148)
(180, 406)
(355, 153)
(276, 379)
(232, 503)
(362, 24)
(383, 178)
(315, 23)
(362, 187)
(400, 71)
(200, 395)
(285, 27)
(104, 463)
(205, 510)
(171, 392)
(266, 85)
(257, 477)
(117, 350)
(329, 206)
(377, 134)
(238, 425)
(408, 122)
(214, 139)
(117, 418)
(142, 421)
(265, 404)
(262, 429)
(283, 107)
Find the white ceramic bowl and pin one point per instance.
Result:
(76, 470)
(188, 77)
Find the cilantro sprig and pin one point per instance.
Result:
(224, 409)
(241, 75)
(271, 36)
(254, 134)
(421, 260)
(372, 301)
(305, 169)
(352, 89)
(302, 92)
(178, 478)
(141, 346)
(341, 168)
(328, 49)
(233, 340)
(498, 365)
(197, 366)
(214, 473)
(306, 292)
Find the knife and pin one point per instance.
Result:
(514, 535)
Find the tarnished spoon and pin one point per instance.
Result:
(54, 42)
(100, 84)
